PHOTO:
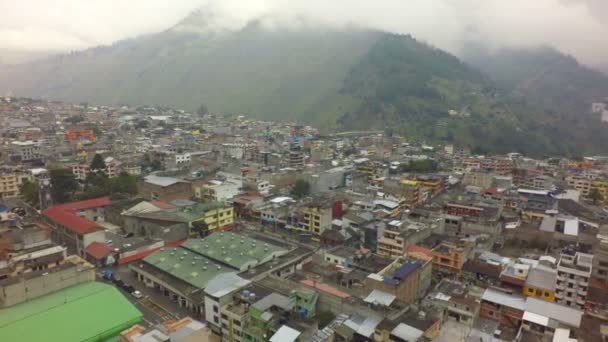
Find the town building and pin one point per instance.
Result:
(573, 276)
(25, 151)
(166, 189)
(76, 224)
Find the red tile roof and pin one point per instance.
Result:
(163, 205)
(325, 288)
(418, 249)
(98, 250)
(67, 214)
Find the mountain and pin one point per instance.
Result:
(335, 79)
(544, 77)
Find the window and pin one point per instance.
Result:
(546, 294)
(237, 323)
(215, 309)
(216, 320)
(491, 313)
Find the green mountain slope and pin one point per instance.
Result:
(253, 72)
(351, 79)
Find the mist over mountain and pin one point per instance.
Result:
(533, 100)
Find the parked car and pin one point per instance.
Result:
(137, 294)
(128, 288)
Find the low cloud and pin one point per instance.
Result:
(576, 27)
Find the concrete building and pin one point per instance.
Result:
(573, 275)
(164, 189)
(25, 151)
(582, 184)
(402, 278)
(508, 309)
(31, 285)
(75, 224)
(10, 181)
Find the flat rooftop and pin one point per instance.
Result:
(235, 250)
(87, 312)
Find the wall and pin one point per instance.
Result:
(45, 283)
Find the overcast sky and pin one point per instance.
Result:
(577, 27)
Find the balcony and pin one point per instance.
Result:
(559, 295)
(582, 292)
(583, 282)
(561, 278)
(580, 301)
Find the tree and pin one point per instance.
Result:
(74, 119)
(202, 110)
(63, 185)
(595, 195)
(98, 164)
(30, 192)
(301, 188)
(123, 184)
(200, 227)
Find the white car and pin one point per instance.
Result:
(137, 294)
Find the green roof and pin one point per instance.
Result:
(236, 250)
(86, 312)
(190, 267)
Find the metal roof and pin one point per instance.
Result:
(236, 250)
(285, 334)
(561, 313)
(504, 299)
(380, 298)
(406, 332)
(79, 313)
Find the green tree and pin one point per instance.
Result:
(74, 119)
(202, 110)
(200, 227)
(98, 164)
(123, 184)
(301, 188)
(30, 192)
(595, 195)
(63, 185)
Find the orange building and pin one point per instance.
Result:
(79, 134)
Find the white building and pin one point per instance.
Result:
(573, 273)
(25, 150)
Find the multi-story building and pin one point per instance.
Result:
(393, 240)
(506, 308)
(408, 196)
(402, 278)
(313, 218)
(431, 183)
(75, 224)
(450, 256)
(580, 183)
(481, 179)
(602, 187)
(10, 181)
(600, 257)
(24, 151)
(296, 156)
(112, 169)
(573, 274)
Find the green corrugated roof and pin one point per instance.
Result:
(236, 250)
(87, 312)
(186, 265)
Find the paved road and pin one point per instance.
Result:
(155, 307)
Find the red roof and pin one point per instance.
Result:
(418, 249)
(325, 288)
(98, 250)
(67, 214)
(163, 205)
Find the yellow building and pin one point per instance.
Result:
(541, 281)
(217, 216)
(602, 187)
(10, 183)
